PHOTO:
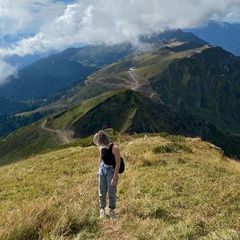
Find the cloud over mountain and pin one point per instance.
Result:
(5, 71)
(98, 21)
(108, 21)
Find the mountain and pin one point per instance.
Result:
(204, 80)
(124, 111)
(8, 41)
(137, 114)
(168, 36)
(58, 71)
(207, 84)
(52, 77)
(46, 76)
(181, 187)
(223, 34)
(23, 61)
(186, 82)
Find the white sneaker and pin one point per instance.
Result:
(102, 213)
(112, 214)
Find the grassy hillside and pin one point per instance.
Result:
(203, 80)
(27, 141)
(172, 188)
(125, 111)
(151, 63)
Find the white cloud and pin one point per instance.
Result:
(6, 71)
(13, 16)
(109, 21)
(114, 21)
(26, 15)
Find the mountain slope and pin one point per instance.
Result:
(46, 76)
(128, 111)
(203, 80)
(61, 70)
(211, 90)
(173, 36)
(36, 137)
(176, 72)
(173, 188)
(124, 111)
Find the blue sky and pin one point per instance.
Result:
(56, 25)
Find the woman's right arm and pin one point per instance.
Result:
(100, 160)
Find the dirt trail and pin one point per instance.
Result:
(134, 77)
(112, 229)
(139, 84)
(64, 139)
(142, 85)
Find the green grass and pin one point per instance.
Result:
(25, 142)
(171, 148)
(188, 192)
(150, 65)
(67, 117)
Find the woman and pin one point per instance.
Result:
(108, 172)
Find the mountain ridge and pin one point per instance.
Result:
(135, 114)
(205, 90)
(223, 34)
(155, 73)
(74, 64)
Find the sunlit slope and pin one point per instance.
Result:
(203, 80)
(151, 63)
(173, 188)
(36, 138)
(125, 111)
(27, 141)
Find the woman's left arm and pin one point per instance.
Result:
(116, 153)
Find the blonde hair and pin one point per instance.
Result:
(101, 139)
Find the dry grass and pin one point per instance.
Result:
(188, 192)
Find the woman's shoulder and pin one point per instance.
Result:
(115, 148)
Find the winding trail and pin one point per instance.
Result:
(139, 84)
(64, 139)
(134, 78)
(142, 85)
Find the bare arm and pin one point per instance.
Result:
(116, 153)
(100, 160)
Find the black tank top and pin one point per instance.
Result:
(107, 156)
